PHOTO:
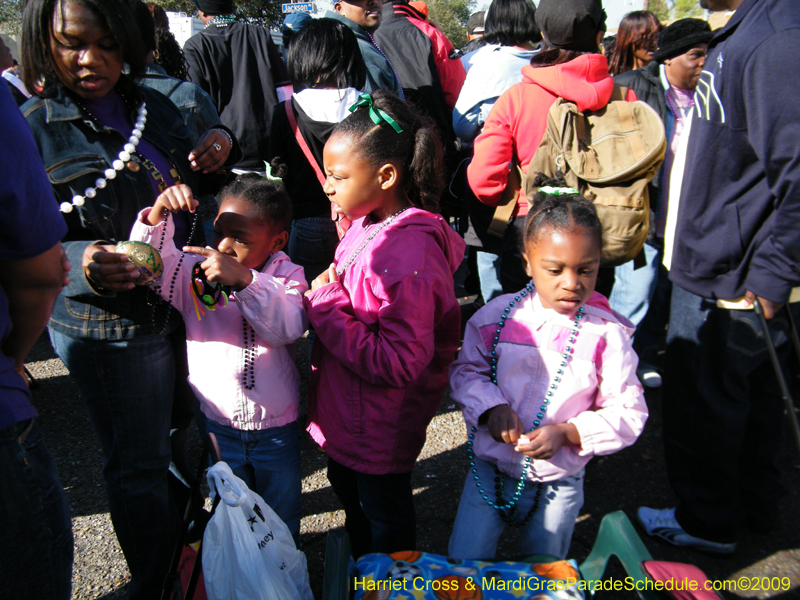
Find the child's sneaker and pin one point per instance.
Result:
(661, 523)
(648, 375)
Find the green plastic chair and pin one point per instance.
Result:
(617, 537)
(336, 577)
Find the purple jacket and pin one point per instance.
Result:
(598, 393)
(388, 331)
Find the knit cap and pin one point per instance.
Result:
(680, 37)
(571, 24)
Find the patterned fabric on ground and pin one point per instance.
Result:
(423, 576)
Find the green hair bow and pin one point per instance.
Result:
(558, 191)
(376, 114)
(269, 174)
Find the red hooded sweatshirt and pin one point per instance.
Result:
(517, 122)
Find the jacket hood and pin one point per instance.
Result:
(449, 241)
(584, 80)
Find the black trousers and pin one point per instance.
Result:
(379, 509)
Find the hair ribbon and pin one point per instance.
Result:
(558, 191)
(269, 174)
(376, 114)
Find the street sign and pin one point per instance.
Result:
(297, 7)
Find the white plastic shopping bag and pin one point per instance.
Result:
(248, 552)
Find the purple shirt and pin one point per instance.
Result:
(112, 112)
(30, 224)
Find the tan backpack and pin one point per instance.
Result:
(609, 156)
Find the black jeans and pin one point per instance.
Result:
(35, 526)
(379, 509)
(723, 415)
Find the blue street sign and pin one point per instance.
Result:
(297, 7)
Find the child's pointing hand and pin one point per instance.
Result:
(221, 268)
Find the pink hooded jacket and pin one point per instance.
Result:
(598, 392)
(388, 331)
(517, 122)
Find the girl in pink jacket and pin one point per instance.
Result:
(546, 379)
(386, 317)
(241, 348)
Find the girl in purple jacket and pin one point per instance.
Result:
(546, 379)
(387, 318)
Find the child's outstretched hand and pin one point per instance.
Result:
(543, 443)
(504, 424)
(221, 268)
(324, 279)
(173, 199)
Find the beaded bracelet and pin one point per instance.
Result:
(227, 135)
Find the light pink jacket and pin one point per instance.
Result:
(388, 331)
(272, 305)
(598, 392)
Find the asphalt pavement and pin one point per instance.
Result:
(624, 481)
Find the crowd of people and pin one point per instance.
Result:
(335, 186)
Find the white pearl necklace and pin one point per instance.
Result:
(119, 164)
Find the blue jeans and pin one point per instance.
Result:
(723, 414)
(128, 388)
(268, 461)
(312, 244)
(379, 509)
(651, 333)
(489, 275)
(35, 526)
(478, 526)
(633, 288)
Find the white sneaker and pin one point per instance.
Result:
(649, 377)
(661, 523)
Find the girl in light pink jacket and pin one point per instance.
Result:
(386, 317)
(546, 379)
(240, 344)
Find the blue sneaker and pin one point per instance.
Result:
(661, 523)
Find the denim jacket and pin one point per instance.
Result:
(75, 152)
(196, 106)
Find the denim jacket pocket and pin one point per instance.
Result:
(98, 309)
(74, 175)
(181, 133)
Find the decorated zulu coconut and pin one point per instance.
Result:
(146, 258)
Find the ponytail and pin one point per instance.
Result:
(416, 146)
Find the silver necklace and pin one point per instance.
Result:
(383, 224)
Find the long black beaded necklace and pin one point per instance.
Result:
(157, 298)
(249, 355)
(499, 504)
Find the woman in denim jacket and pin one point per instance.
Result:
(112, 335)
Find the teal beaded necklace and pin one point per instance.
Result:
(499, 504)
